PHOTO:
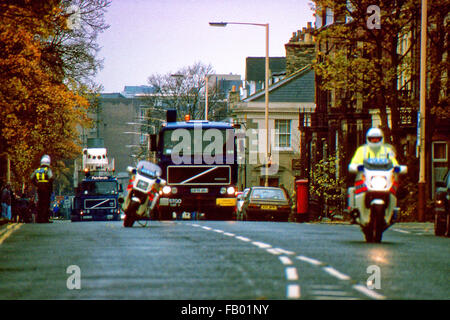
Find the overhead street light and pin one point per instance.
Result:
(266, 86)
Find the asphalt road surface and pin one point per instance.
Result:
(226, 260)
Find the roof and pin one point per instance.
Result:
(255, 67)
(298, 87)
(131, 91)
(112, 95)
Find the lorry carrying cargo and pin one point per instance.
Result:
(96, 195)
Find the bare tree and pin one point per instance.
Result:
(71, 52)
(184, 91)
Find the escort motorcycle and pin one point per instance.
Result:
(373, 201)
(143, 192)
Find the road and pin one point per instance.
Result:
(225, 260)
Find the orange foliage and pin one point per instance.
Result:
(38, 113)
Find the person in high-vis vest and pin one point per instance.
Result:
(374, 148)
(43, 178)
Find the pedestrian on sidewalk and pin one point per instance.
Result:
(6, 200)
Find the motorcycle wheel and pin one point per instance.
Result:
(130, 215)
(374, 231)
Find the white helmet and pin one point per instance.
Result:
(45, 160)
(374, 138)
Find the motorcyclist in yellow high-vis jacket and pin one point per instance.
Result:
(374, 148)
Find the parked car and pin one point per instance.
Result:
(265, 203)
(441, 208)
(240, 201)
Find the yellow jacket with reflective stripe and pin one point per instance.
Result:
(365, 152)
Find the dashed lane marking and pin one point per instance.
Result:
(285, 260)
(368, 292)
(261, 245)
(310, 260)
(291, 274)
(293, 290)
(336, 274)
(401, 231)
(243, 239)
(229, 234)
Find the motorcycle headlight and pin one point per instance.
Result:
(166, 189)
(230, 190)
(378, 182)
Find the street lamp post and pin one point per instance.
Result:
(423, 66)
(266, 86)
(206, 96)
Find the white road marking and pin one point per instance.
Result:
(401, 231)
(273, 251)
(336, 274)
(285, 260)
(309, 260)
(293, 291)
(10, 229)
(261, 245)
(368, 292)
(229, 234)
(243, 239)
(291, 274)
(285, 251)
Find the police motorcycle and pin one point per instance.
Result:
(373, 201)
(143, 192)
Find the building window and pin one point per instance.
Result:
(143, 112)
(283, 133)
(440, 151)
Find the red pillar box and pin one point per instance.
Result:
(302, 196)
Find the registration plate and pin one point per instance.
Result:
(226, 202)
(269, 207)
(199, 190)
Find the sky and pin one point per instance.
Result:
(148, 37)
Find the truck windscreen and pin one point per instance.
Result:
(189, 142)
(99, 187)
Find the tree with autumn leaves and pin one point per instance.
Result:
(377, 65)
(368, 58)
(42, 103)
